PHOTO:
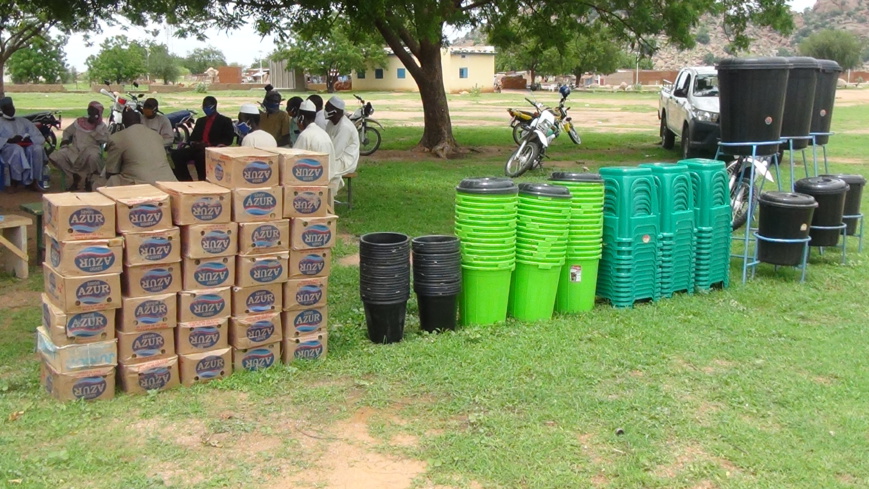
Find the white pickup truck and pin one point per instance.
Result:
(689, 109)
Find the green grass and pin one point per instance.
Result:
(758, 385)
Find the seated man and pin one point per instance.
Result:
(21, 148)
(80, 153)
(293, 111)
(345, 139)
(136, 155)
(212, 130)
(275, 121)
(157, 122)
(249, 129)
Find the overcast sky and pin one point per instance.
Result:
(241, 46)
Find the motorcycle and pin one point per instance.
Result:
(521, 122)
(532, 147)
(119, 104)
(182, 123)
(369, 137)
(745, 193)
(46, 122)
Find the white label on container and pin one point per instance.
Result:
(576, 273)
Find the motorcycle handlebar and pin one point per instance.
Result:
(358, 97)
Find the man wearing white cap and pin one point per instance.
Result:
(312, 137)
(345, 139)
(248, 129)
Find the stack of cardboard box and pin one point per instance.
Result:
(146, 321)
(209, 241)
(262, 264)
(305, 181)
(76, 341)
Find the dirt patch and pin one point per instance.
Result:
(691, 455)
(21, 298)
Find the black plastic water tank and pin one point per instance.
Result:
(784, 215)
(799, 100)
(830, 195)
(852, 199)
(825, 96)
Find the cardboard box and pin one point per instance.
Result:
(208, 273)
(91, 385)
(254, 270)
(71, 329)
(304, 322)
(209, 240)
(199, 336)
(306, 201)
(241, 167)
(145, 346)
(299, 167)
(82, 294)
(309, 347)
(313, 232)
(85, 257)
(159, 375)
(305, 293)
(140, 208)
(256, 358)
(198, 202)
(256, 300)
(69, 358)
(79, 215)
(257, 238)
(145, 280)
(310, 263)
(148, 313)
(205, 366)
(256, 330)
(257, 204)
(152, 247)
(196, 305)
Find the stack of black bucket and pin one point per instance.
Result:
(384, 284)
(437, 280)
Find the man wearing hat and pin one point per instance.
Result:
(21, 147)
(345, 140)
(157, 122)
(248, 128)
(275, 121)
(312, 137)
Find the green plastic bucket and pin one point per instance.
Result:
(576, 286)
(533, 291)
(484, 297)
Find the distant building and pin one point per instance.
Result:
(463, 68)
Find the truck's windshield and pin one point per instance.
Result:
(706, 86)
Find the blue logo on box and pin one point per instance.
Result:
(307, 170)
(210, 367)
(257, 359)
(257, 172)
(87, 325)
(94, 259)
(155, 249)
(155, 378)
(259, 204)
(207, 208)
(260, 301)
(146, 215)
(89, 388)
(92, 292)
(87, 220)
(156, 280)
(148, 345)
(151, 312)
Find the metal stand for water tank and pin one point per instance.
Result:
(790, 142)
(815, 136)
(749, 238)
(803, 265)
(859, 235)
(844, 230)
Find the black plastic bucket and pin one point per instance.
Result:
(487, 186)
(385, 321)
(830, 195)
(784, 215)
(435, 244)
(437, 313)
(825, 96)
(752, 101)
(852, 199)
(799, 100)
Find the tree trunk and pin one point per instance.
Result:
(437, 137)
(330, 83)
(2, 83)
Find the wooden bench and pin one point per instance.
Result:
(35, 209)
(348, 182)
(14, 239)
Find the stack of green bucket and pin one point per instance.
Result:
(676, 202)
(541, 249)
(578, 280)
(712, 215)
(486, 224)
(628, 269)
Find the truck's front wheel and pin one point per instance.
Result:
(687, 151)
(668, 138)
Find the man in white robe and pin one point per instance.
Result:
(345, 139)
(22, 148)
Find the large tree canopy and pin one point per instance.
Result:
(415, 30)
(203, 58)
(119, 61)
(842, 46)
(42, 61)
